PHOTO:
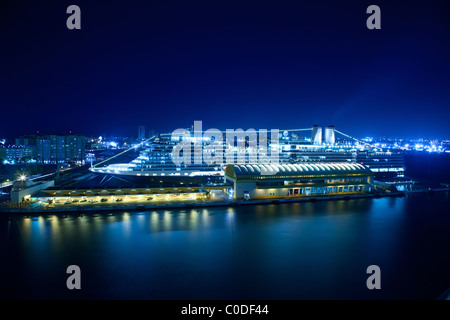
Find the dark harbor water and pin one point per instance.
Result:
(314, 250)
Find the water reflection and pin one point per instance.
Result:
(290, 250)
(62, 228)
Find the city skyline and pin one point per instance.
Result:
(235, 65)
(149, 133)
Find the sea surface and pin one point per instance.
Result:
(304, 250)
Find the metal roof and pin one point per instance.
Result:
(296, 169)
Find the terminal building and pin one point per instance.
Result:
(252, 181)
(23, 190)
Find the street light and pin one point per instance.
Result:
(22, 178)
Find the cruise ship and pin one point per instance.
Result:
(154, 165)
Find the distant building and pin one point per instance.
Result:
(15, 153)
(75, 148)
(141, 132)
(52, 149)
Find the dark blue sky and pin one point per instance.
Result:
(231, 64)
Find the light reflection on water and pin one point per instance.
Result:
(311, 250)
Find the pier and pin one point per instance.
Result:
(46, 209)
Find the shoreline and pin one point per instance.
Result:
(230, 203)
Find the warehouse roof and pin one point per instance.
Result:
(297, 169)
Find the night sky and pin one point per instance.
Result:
(231, 64)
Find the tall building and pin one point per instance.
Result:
(43, 150)
(60, 149)
(75, 148)
(141, 132)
